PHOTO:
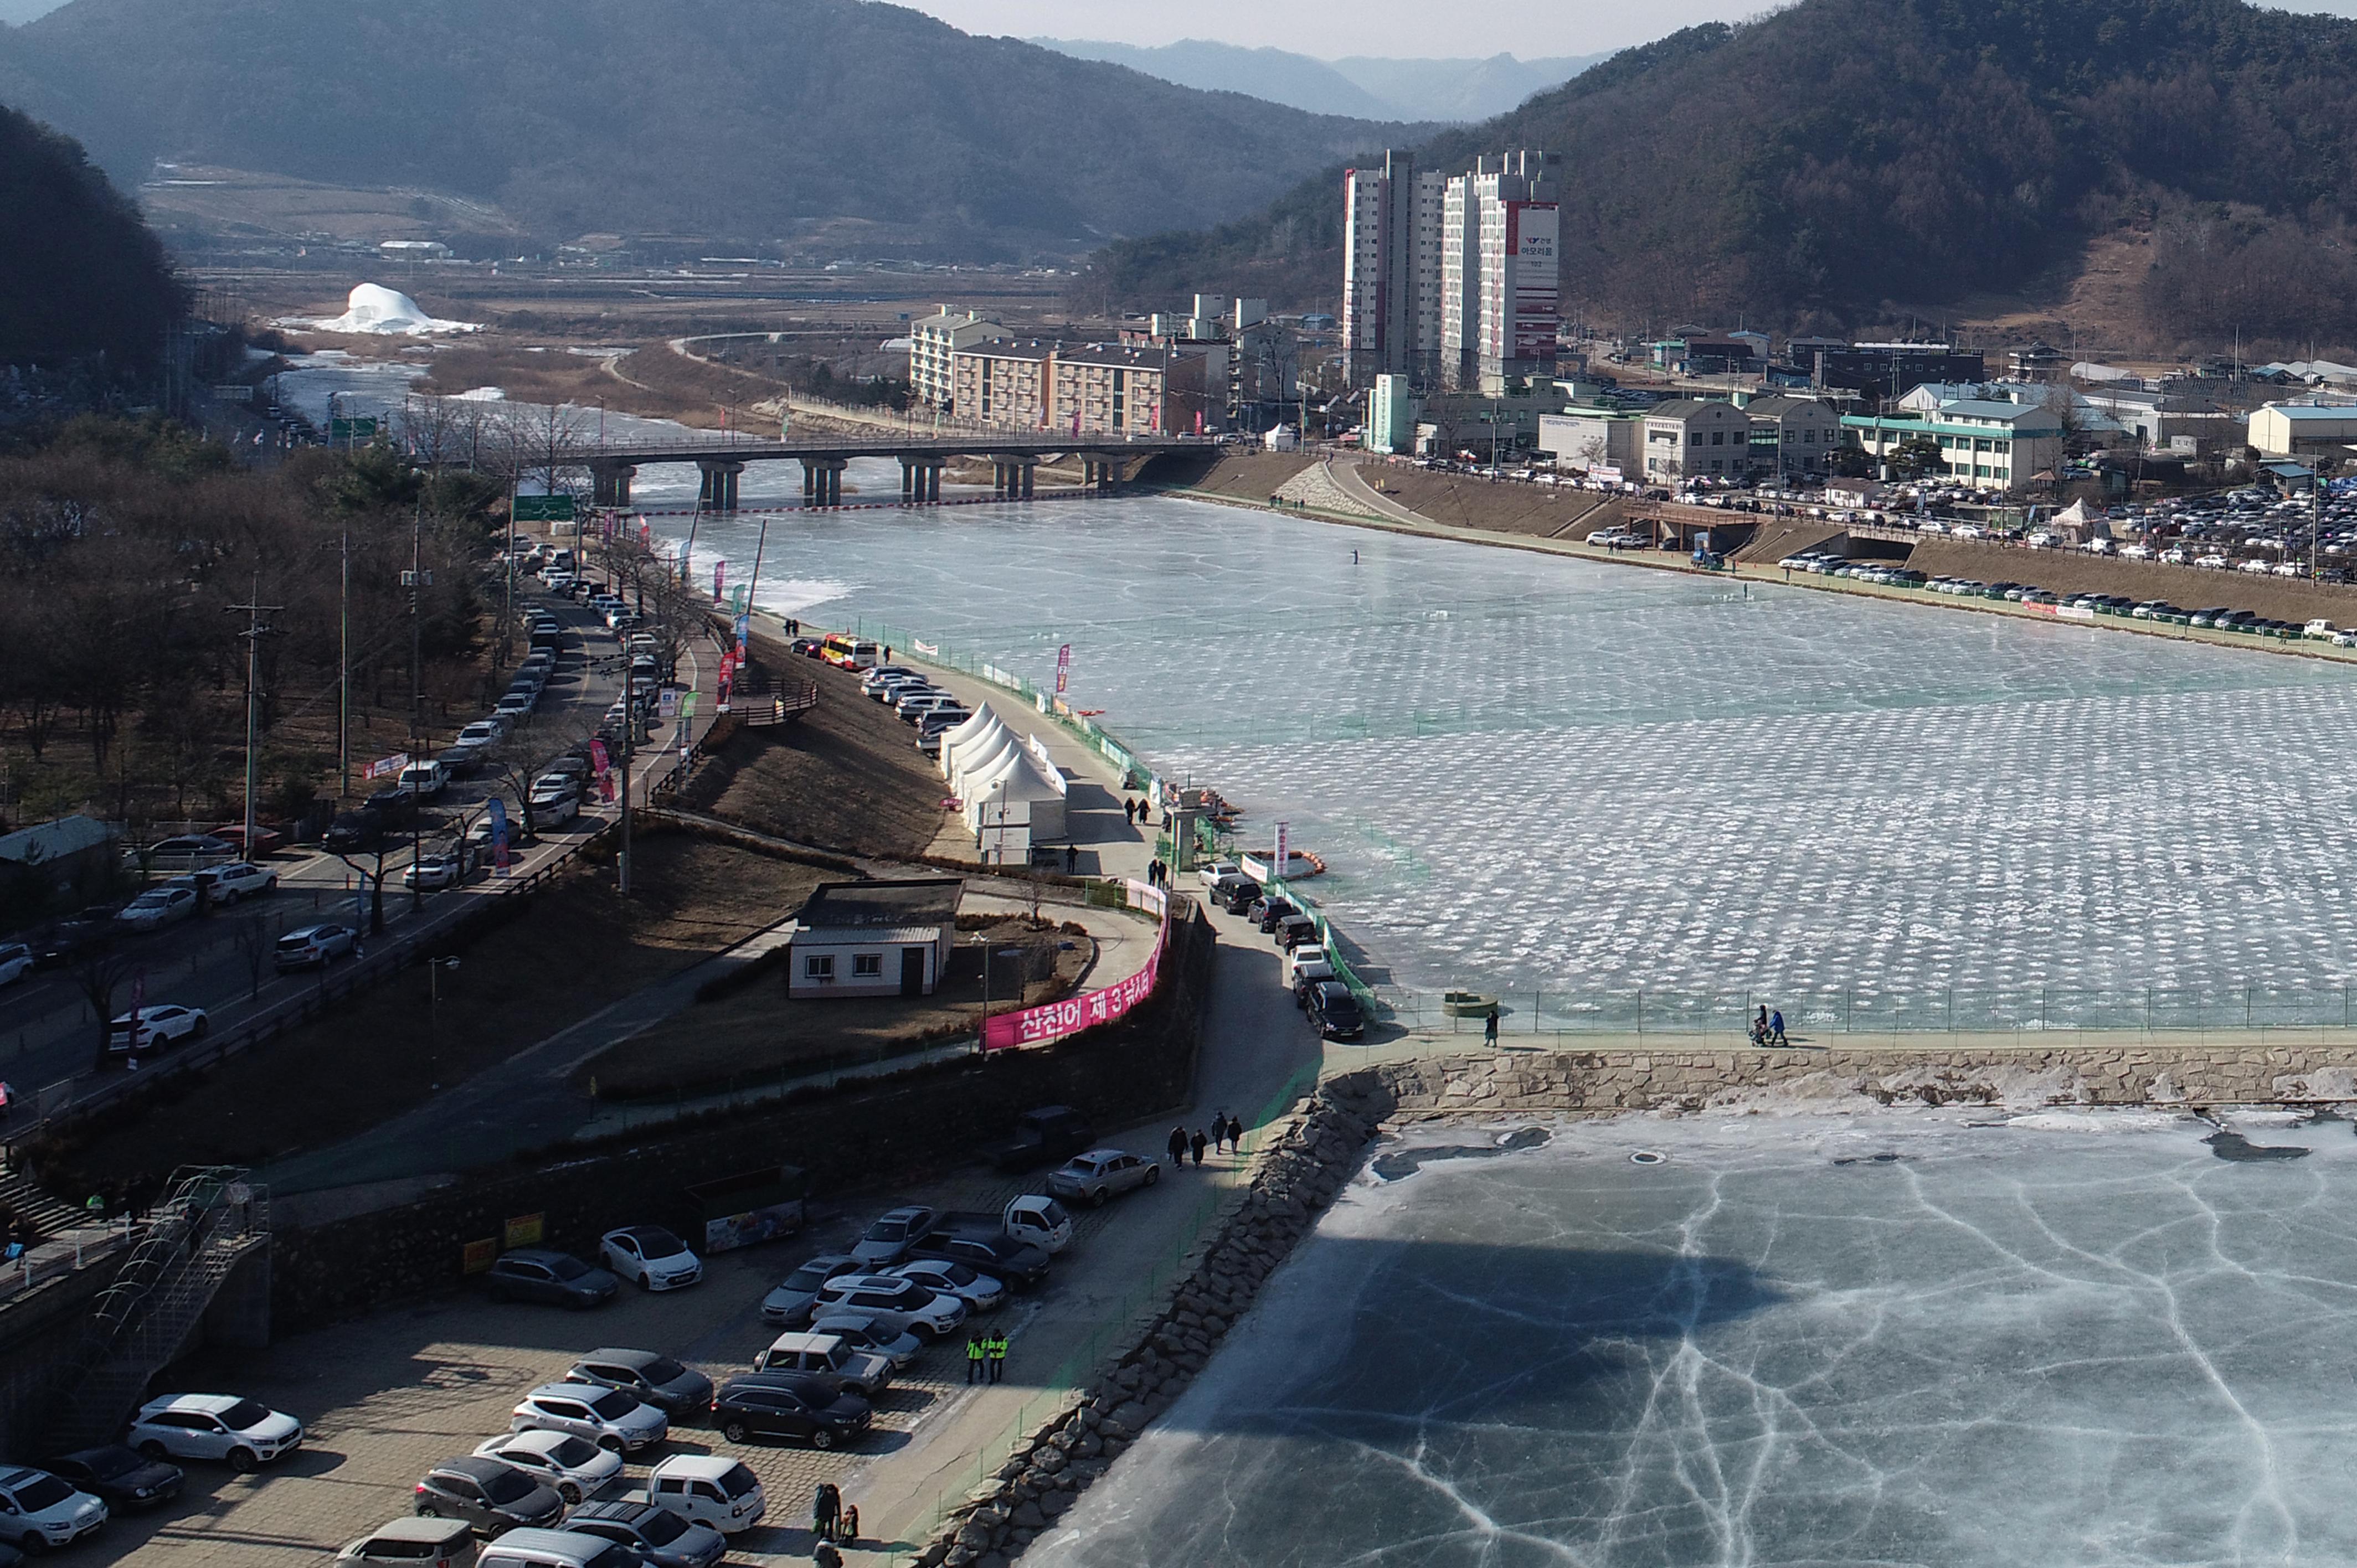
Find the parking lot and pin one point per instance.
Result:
(388, 1396)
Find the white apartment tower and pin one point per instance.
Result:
(1390, 270)
(1499, 287)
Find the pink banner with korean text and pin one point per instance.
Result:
(1054, 1020)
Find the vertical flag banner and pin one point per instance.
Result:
(1284, 849)
(499, 835)
(744, 633)
(138, 1005)
(719, 580)
(1063, 669)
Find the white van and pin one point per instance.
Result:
(425, 779)
(708, 1488)
(531, 1548)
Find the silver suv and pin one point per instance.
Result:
(903, 1306)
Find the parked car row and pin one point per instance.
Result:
(1331, 1005)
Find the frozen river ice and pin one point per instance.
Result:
(1572, 783)
(1537, 774)
(2084, 1338)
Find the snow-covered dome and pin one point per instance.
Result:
(372, 308)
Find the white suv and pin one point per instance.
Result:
(38, 1511)
(243, 1432)
(608, 1417)
(902, 1304)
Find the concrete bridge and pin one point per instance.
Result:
(1012, 456)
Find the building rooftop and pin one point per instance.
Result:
(1683, 407)
(1779, 406)
(889, 906)
(2300, 411)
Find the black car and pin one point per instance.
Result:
(68, 940)
(556, 1279)
(1019, 1263)
(681, 1393)
(661, 1537)
(1266, 913)
(1335, 1011)
(1044, 1134)
(353, 830)
(395, 806)
(764, 1405)
(124, 1479)
(493, 1496)
(1242, 897)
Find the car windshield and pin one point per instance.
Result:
(662, 1527)
(244, 1414)
(47, 1492)
(1053, 1213)
(508, 1484)
(662, 1369)
(105, 1463)
(888, 1231)
(809, 1276)
(613, 1404)
(654, 1242)
(573, 1453)
(568, 1268)
(956, 1274)
(737, 1482)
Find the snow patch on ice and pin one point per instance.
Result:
(2112, 1121)
(372, 308)
(480, 394)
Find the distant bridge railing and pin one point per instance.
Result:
(886, 444)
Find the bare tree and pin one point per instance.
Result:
(99, 975)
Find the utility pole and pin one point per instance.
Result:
(253, 634)
(344, 667)
(629, 738)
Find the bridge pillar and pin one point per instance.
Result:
(610, 484)
(716, 489)
(822, 481)
(1024, 470)
(810, 482)
(913, 480)
(931, 474)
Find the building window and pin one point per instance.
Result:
(819, 966)
(867, 966)
(1718, 438)
(1809, 437)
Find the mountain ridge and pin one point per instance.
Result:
(1364, 86)
(1843, 162)
(584, 115)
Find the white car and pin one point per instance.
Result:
(1102, 1174)
(481, 732)
(225, 885)
(710, 1489)
(163, 1024)
(894, 1302)
(653, 1256)
(555, 808)
(608, 1417)
(432, 871)
(1210, 875)
(157, 908)
(243, 1433)
(977, 1290)
(38, 1510)
(575, 1466)
(15, 962)
(310, 947)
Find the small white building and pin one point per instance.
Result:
(2302, 430)
(874, 938)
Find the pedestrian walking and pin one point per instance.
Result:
(1178, 1145)
(1776, 1027)
(1760, 1028)
(1129, 811)
(1236, 1135)
(997, 1346)
(827, 1512)
(847, 1530)
(1218, 1131)
(1489, 1028)
(1197, 1144)
(824, 1555)
(1071, 857)
(975, 1370)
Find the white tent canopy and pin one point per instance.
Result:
(984, 721)
(957, 759)
(981, 760)
(1017, 784)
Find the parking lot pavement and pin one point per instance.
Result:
(385, 1397)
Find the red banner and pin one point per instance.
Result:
(1054, 1020)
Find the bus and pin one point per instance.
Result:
(845, 652)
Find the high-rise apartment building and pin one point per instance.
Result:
(1390, 270)
(1451, 281)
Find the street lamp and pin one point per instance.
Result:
(433, 968)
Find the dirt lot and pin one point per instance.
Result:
(759, 1033)
(388, 1049)
(1466, 500)
(846, 777)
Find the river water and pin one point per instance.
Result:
(1574, 782)
(1894, 1338)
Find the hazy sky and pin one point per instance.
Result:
(1332, 29)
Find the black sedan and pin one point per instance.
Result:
(492, 1497)
(819, 1413)
(124, 1479)
(555, 1279)
(1019, 1263)
(1336, 1011)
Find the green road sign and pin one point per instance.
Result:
(543, 509)
(349, 430)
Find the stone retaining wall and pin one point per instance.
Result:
(1684, 1079)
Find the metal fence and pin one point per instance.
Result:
(1862, 1012)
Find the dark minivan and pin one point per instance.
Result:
(1335, 1011)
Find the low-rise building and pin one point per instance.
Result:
(1091, 389)
(932, 341)
(1984, 444)
(874, 938)
(1695, 438)
(2303, 430)
(1791, 436)
(1591, 438)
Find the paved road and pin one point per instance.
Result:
(48, 1041)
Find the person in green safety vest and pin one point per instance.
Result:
(975, 1370)
(997, 1346)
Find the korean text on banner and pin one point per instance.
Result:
(1063, 669)
(386, 766)
(1054, 1020)
(1278, 867)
